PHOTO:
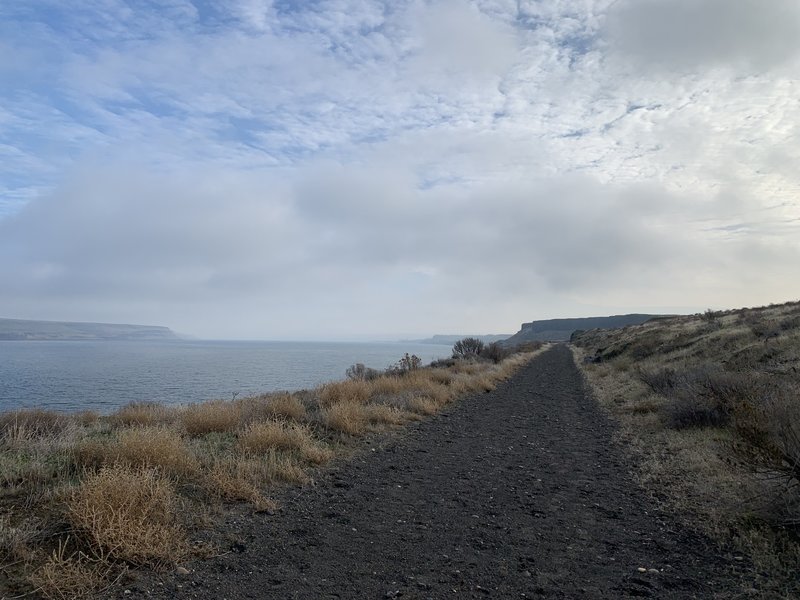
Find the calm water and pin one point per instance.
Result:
(101, 376)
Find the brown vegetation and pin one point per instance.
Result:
(711, 403)
(85, 497)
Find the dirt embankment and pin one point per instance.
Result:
(517, 493)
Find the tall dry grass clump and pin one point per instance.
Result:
(352, 391)
(143, 414)
(262, 437)
(155, 447)
(240, 480)
(129, 514)
(272, 406)
(216, 416)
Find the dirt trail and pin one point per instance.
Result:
(518, 493)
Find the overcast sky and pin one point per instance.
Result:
(337, 169)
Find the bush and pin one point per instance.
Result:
(407, 364)
(495, 352)
(359, 372)
(469, 347)
(688, 413)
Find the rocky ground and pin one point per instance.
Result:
(517, 493)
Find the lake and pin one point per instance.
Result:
(101, 376)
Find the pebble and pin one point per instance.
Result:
(642, 570)
(181, 571)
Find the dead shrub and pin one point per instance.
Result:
(768, 439)
(216, 416)
(154, 447)
(143, 414)
(129, 514)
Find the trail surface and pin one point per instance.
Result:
(517, 493)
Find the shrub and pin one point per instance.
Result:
(129, 514)
(687, 413)
(469, 347)
(359, 372)
(407, 364)
(663, 381)
(495, 352)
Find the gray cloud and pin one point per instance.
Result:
(699, 34)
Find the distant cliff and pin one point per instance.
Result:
(19, 329)
(560, 330)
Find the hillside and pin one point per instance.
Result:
(560, 330)
(19, 329)
(710, 404)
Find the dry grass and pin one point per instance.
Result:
(272, 406)
(143, 414)
(351, 392)
(129, 514)
(424, 406)
(210, 417)
(261, 437)
(155, 447)
(131, 485)
(63, 576)
(239, 481)
(345, 417)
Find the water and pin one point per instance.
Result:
(101, 376)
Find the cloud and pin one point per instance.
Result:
(270, 169)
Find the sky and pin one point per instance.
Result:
(356, 169)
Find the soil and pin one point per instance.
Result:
(516, 493)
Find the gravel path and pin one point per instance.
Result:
(518, 493)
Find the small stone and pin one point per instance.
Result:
(642, 570)
(654, 571)
(127, 592)
(181, 571)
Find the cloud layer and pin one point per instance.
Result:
(348, 167)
